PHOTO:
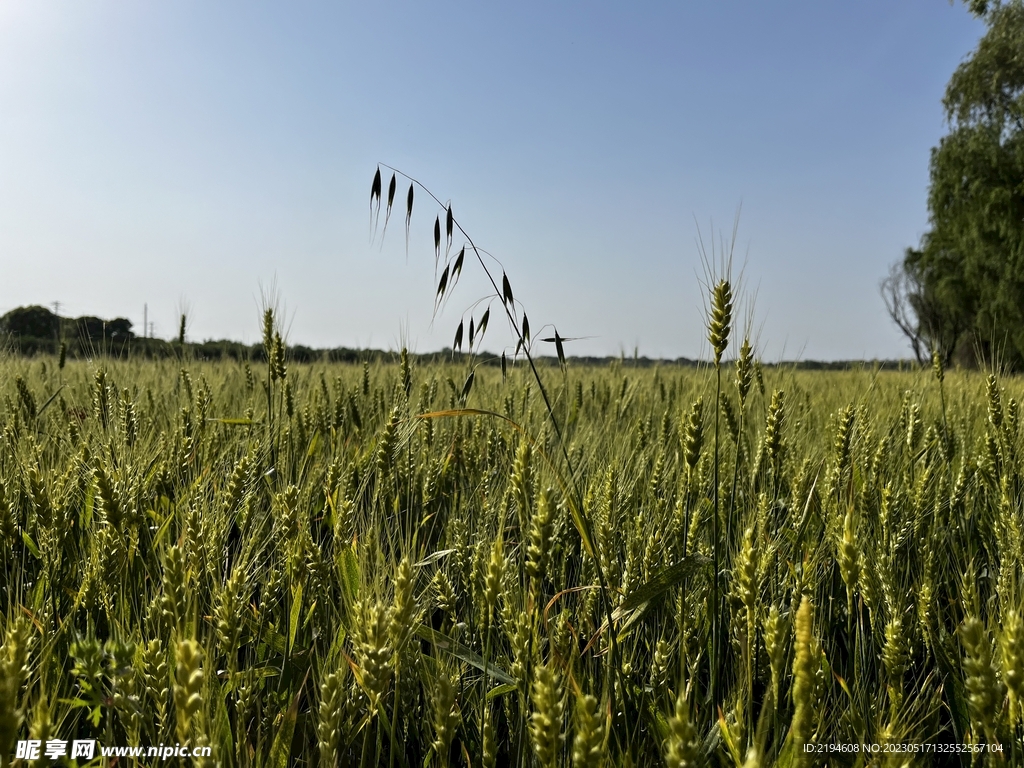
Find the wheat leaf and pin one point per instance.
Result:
(444, 643)
(281, 749)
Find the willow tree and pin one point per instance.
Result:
(962, 290)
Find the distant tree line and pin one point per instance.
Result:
(37, 330)
(31, 331)
(37, 322)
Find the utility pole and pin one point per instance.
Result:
(145, 321)
(56, 325)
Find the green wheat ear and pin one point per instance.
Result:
(446, 717)
(693, 433)
(806, 659)
(1011, 645)
(984, 694)
(43, 728)
(490, 744)
(228, 614)
(405, 612)
(744, 370)
(937, 367)
(776, 630)
(721, 317)
(495, 568)
(332, 709)
(14, 673)
(773, 428)
(374, 654)
(151, 664)
(188, 687)
(849, 557)
(683, 747)
(174, 601)
(539, 549)
(588, 744)
(8, 525)
(546, 719)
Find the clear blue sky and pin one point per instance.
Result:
(187, 153)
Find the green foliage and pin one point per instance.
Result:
(962, 291)
(189, 559)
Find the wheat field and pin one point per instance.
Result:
(386, 565)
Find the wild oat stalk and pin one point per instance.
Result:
(520, 328)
